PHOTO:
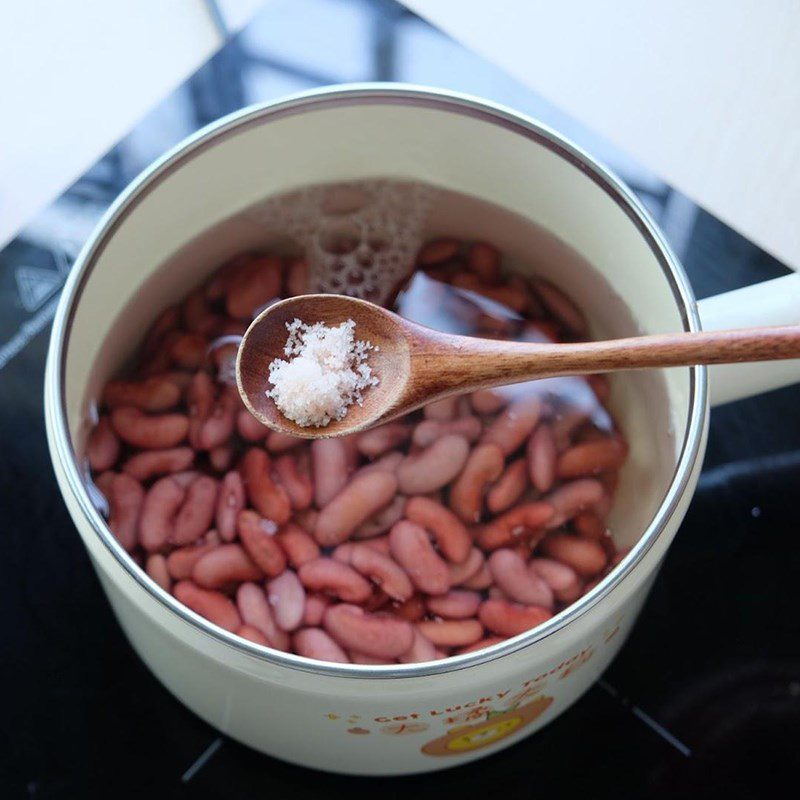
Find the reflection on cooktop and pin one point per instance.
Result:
(744, 722)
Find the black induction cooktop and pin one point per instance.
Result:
(704, 699)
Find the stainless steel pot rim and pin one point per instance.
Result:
(337, 96)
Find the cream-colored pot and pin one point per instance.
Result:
(416, 717)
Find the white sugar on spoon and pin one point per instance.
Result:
(326, 372)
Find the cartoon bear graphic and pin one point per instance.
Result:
(496, 726)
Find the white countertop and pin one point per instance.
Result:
(76, 76)
(705, 94)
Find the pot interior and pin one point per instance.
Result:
(523, 192)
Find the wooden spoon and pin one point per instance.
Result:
(417, 365)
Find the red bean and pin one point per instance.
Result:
(298, 545)
(195, 312)
(331, 465)
(469, 568)
(166, 321)
(572, 498)
(566, 424)
(315, 643)
(512, 576)
(161, 505)
(562, 579)
(382, 570)
(228, 563)
(220, 458)
(522, 522)
(516, 299)
(561, 307)
(437, 251)
(253, 285)
(180, 562)
(587, 558)
(542, 456)
(314, 609)
(200, 396)
(188, 350)
(483, 467)
(602, 508)
(484, 261)
(358, 501)
(151, 463)
(217, 285)
(196, 513)
(456, 604)
(249, 428)
(218, 428)
(591, 458)
(480, 581)
(372, 634)
(485, 401)
(377, 601)
(514, 424)
(252, 635)
(450, 533)
(442, 410)
(361, 658)
(159, 360)
(451, 633)
(428, 431)
(156, 393)
(422, 649)
(307, 519)
(509, 488)
(214, 606)
(509, 619)
(433, 467)
(154, 432)
(185, 479)
(258, 538)
(294, 480)
(411, 548)
(254, 608)
(480, 645)
(230, 501)
(336, 578)
(125, 501)
(287, 597)
(381, 544)
(590, 526)
(278, 442)
(103, 446)
(383, 520)
(156, 568)
(386, 463)
(267, 497)
(381, 440)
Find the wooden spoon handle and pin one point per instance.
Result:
(445, 363)
(674, 350)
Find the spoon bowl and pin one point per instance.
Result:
(266, 337)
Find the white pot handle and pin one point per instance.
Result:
(775, 302)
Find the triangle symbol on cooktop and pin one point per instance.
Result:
(35, 285)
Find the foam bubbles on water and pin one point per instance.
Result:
(360, 238)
